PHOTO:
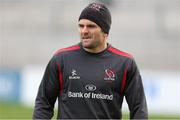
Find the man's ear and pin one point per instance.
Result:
(105, 35)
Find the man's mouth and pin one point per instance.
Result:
(86, 38)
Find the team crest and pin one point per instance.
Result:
(109, 75)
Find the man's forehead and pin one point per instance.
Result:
(87, 22)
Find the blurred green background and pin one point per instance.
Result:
(18, 111)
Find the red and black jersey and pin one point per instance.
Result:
(90, 85)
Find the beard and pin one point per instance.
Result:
(89, 44)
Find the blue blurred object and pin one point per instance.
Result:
(151, 88)
(9, 85)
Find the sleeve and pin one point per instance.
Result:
(134, 93)
(47, 93)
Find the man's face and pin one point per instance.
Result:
(91, 34)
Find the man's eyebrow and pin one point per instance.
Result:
(88, 25)
(80, 24)
(91, 25)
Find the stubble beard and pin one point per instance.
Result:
(91, 45)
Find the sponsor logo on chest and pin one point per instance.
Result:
(90, 93)
(74, 75)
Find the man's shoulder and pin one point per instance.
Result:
(67, 49)
(119, 52)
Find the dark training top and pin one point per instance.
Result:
(90, 85)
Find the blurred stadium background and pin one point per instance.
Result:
(32, 30)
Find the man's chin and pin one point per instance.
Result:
(86, 45)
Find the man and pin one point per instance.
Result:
(91, 78)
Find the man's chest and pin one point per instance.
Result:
(95, 76)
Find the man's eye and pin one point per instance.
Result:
(81, 26)
(91, 26)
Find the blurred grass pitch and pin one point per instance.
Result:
(18, 111)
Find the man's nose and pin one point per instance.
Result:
(84, 30)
